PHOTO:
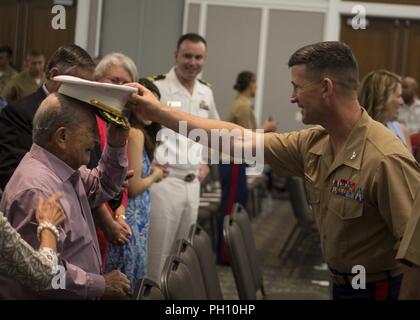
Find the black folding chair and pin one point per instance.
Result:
(177, 282)
(147, 289)
(201, 244)
(186, 252)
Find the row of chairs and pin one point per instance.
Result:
(190, 272)
(239, 238)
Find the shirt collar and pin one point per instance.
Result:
(44, 87)
(242, 97)
(176, 86)
(352, 153)
(58, 166)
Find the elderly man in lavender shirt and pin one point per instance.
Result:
(64, 133)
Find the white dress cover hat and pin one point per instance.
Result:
(108, 99)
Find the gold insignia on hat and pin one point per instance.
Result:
(104, 113)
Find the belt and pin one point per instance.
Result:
(344, 279)
(189, 177)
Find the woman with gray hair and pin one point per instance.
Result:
(116, 68)
(131, 259)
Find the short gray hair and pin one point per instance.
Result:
(116, 59)
(54, 112)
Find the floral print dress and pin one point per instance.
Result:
(131, 259)
(20, 261)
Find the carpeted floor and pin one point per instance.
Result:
(290, 262)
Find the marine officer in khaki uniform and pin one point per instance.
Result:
(361, 179)
(27, 81)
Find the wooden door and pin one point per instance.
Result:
(392, 44)
(26, 24)
(40, 34)
(376, 46)
(10, 15)
(411, 49)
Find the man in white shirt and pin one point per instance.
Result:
(410, 111)
(175, 200)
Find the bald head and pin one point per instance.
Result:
(409, 90)
(58, 111)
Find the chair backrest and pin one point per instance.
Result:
(147, 289)
(201, 244)
(238, 259)
(240, 216)
(177, 282)
(186, 252)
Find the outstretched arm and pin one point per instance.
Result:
(148, 107)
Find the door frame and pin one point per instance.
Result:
(86, 35)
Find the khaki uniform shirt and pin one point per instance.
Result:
(362, 199)
(242, 113)
(20, 86)
(5, 77)
(409, 250)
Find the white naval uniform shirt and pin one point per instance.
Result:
(200, 103)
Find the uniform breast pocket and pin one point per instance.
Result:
(345, 209)
(203, 113)
(313, 193)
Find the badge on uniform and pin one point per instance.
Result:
(174, 104)
(347, 189)
(204, 105)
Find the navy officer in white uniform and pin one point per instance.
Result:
(176, 199)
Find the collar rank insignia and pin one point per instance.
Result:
(203, 105)
(347, 189)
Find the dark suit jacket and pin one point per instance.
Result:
(16, 132)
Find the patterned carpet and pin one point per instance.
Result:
(291, 262)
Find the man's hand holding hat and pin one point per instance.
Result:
(144, 102)
(117, 136)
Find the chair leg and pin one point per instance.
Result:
(290, 237)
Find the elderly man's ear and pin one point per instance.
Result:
(52, 73)
(60, 138)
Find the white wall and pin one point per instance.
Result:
(145, 30)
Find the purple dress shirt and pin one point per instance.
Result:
(40, 173)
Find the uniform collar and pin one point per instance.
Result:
(244, 98)
(351, 154)
(176, 86)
